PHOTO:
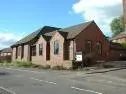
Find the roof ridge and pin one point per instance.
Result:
(76, 25)
(37, 32)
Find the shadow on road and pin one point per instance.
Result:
(3, 73)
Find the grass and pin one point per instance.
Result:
(25, 64)
(22, 64)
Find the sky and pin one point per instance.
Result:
(19, 18)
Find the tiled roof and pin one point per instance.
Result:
(41, 31)
(47, 32)
(73, 31)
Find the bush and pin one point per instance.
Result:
(74, 65)
(124, 45)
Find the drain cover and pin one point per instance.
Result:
(5, 91)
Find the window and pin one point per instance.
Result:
(88, 47)
(33, 50)
(99, 48)
(56, 47)
(40, 49)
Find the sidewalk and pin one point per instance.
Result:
(103, 70)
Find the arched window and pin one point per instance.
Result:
(56, 47)
(41, 49)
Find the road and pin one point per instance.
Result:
(33, 81)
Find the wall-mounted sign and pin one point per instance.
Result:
(78, 56)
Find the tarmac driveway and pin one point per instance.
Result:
(33, 81)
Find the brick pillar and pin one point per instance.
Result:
(72, 50)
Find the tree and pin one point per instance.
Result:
(123, 45)
(117, 25)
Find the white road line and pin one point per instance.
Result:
(7, 90)
(91, 91)
(25, 70)
(42, 80)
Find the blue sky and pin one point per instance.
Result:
(21, 17)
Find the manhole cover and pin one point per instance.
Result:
(5, 91)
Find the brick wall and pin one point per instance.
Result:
(95, 35)
(59, 58)
(40, 59)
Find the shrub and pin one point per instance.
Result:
(74, 65)
(124, 45)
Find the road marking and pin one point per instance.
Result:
(91, 91)
(42, 80)
(25, 70)
(7, 90)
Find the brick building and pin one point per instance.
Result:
(54, 46)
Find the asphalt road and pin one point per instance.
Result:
(33, 81)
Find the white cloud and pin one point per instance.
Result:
(7, 39)
(102, 11)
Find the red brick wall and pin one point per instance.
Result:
(95, 35)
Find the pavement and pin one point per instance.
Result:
(36, 81)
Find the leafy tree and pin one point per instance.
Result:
(117, 25)
(123, 45)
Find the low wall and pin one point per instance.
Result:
(116, 55)
(5, 58)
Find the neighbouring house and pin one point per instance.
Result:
(120, 38)
(5, 54)
(117, 52)
(54, 46)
